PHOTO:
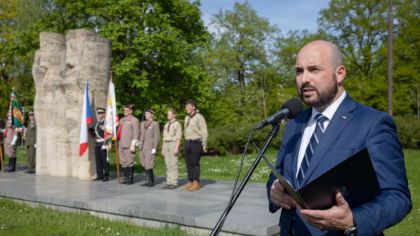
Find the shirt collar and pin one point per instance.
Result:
(331, 109)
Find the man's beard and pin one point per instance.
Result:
(324, 98)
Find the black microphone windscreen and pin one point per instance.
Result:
(295, 106)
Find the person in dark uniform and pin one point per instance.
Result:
(30, 143)
(101, 153)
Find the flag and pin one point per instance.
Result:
(111, 118)
(16, 111)
(86, 121)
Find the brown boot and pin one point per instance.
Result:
(187, 186)
(195, 186)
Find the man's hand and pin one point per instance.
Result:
(338, 217)
(280, 197)
(175, 152)
(153, 152)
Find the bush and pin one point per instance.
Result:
(408, 130)
(231, 138)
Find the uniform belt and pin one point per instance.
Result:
(100, 140)
(169, 140)
(193, 140)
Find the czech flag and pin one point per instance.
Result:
(86, 121)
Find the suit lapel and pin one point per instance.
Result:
(338, 123)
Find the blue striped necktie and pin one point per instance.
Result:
(313, 143)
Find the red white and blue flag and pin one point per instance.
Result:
(86, 121)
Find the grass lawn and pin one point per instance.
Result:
(410, 225)
(21, 219)
(223, 167)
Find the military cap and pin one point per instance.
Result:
(100, 110)
(150, 111)
(30, 113)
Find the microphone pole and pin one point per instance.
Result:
(268, 140)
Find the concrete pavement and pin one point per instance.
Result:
(196, 212)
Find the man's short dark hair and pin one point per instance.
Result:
(190, 102)
(130, 106)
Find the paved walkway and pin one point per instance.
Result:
(194, 211)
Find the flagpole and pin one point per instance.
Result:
(118, 161)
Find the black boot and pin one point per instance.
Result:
(146, 183)
(13, 164)
(127, 175)
(151, 179)
(131, 175)
(9, 165)
(124, 169)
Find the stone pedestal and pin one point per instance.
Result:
(61, 67)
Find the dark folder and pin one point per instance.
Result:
(355, 178)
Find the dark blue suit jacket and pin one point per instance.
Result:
(352, 127)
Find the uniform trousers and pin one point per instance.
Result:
(102, 168)
(192, 153)
(126, 157)
(147, 159)
(171, 162)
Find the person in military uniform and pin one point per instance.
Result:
(195, 133)
(148, 143)
(128, 135)
(9, 142)
(30, 143)
(101, 152)
(172, 133)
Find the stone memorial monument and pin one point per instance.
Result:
(60, 70)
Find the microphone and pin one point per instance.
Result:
(290, 109)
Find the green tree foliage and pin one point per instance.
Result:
(16, 50)
(162, 55)
(155, 45)
(239, 65)
(407, 58)
(359, 28)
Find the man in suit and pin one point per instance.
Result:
(332, 129)
(30, 143)
(148, 143)
(128, 136)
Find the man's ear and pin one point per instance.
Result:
(340, 74)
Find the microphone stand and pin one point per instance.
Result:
(268, 140)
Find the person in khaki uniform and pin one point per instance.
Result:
(195, 133)
(128, 135)
(148, 143)
(9, 143)
(172, 133)
(30, 143)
